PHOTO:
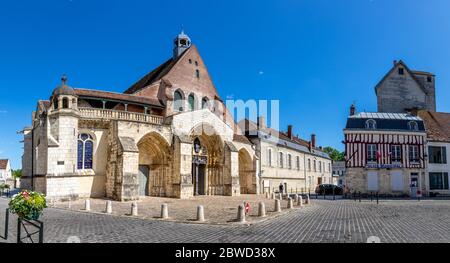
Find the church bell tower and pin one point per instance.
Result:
(181, 43)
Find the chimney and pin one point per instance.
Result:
(395, 63)
(261, 122)
(352, 110)
(312, 143)
(289, 132)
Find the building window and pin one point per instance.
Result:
(298, 162)
(289, 161)
(329, 167)
(85, 151)
(396, 153)
(280, 161)
(190, 61)
(269, 157)
(438, 181)
(309, 164)
(314, 166)
(401, 71)
(55, 103)
(429, 79)
(178, 101)
(320, 166)
(65, 103)
(196, 63)
(414, 153)
(197, 73)
(437, 154)
(413, 126)
(204, 103)
(371, 124)
(191, 101)
(371, 152)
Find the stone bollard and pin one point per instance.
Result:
(277, 206)
(300, 201)
(108, 207)
(241, 213)
(280, 196)
(290, 203)
(262, 209)
(296, 198)
(200, 213)
(308, 201)
(273, 195)
(164, 211)
(267, 195)
(87, 205)
(134, 209)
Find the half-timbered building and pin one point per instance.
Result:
(385, 153)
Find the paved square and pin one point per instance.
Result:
(323, 221)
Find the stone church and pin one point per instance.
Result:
(402, 90)
(169, 134)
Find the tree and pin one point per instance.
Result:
(17, 173)
(334, 154)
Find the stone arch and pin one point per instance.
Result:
(178, 100)
(155, 165)
(65, 103)
(213, 148)
(247, 180)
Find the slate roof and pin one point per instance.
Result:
(3, 164)
(251, 129)
(87, 93)
(384, 121)
(437, 124)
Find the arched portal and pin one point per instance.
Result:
(246, 173)
(207, 161)
(154, 166)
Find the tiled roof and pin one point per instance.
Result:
(3, 164)
(422, 73)
(154, 75)
(117, 96)
(437, 124)
(385, 121)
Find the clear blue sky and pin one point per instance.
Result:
(316, 56)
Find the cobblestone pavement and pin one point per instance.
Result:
(217, 209)
(323, 221)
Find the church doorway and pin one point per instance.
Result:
(154, 166)
(247, 175)
(198, 174)
(143, 180)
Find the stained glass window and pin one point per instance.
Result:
(85, 151)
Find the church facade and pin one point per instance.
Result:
(169, 135)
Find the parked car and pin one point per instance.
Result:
(328, 189)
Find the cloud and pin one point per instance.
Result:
(261, 72)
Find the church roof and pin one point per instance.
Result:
(437, 124)
(411, 72)
(118, 96)
(154, 75)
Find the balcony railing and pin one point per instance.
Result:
(93, 113)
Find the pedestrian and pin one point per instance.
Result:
(281, 188)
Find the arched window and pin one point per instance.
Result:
(413, 126)
(371, 124)
(178, 101)
(85, 151)
(55, 103)
(65, 103)
(191, 101)
(204, 103)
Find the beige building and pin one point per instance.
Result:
(285, 159)
(169, 134)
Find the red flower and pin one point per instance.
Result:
(25, 195)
